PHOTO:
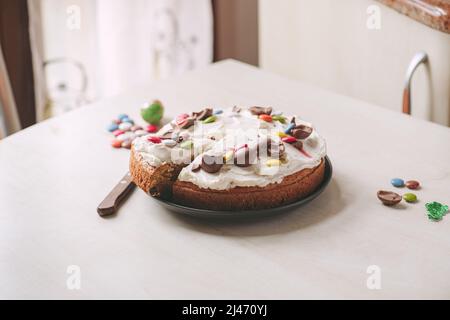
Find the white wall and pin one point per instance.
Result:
(327, 43)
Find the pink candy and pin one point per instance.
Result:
(181, 118)
(289, 139)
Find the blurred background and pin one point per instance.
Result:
(58, 55)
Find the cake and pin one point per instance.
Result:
(234, 159)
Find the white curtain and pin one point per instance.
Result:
(125, 43)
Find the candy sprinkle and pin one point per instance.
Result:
(210, 119)
(279, 118)
(436, 210)
(265, 117)
(153, 139)
(289, 128)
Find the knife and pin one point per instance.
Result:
(115, 198)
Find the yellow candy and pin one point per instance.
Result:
(228, 156)
(282, 134)
(273, 163)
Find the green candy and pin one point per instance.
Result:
(436, 210)
(210, 119)
(279, 118)
(186, 144)
(410, 197)
(153, 113)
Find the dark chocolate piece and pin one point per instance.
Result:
(301, 131)
(212, 163)
(256, 111)
(202, 115)
(389, 198)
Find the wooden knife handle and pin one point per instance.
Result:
(113, 200)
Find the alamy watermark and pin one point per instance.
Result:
(373, 281)
(73, 21)
(73, 281)
(373, 21)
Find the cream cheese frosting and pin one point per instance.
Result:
(232, 130)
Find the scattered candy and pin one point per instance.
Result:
(273, 163)
(136, 128)
(289, 139)
(116, 143)
(389, 198)
(169, 143)
(153, 113)
(397, 182)
(125, 131)
(412, 184)
(436, 210)
(151, 128)
(127, 144)
(117, 132)
(126, 136)
(256, 111)
(153, 139)
(265, 117)
(279, 118)
(112, 127)
(281, 134)
(410, 197)
(216, 112)
(128, 120)
(140, 133)
(125, 126)
(289, 128)
(210, 119)
(186, 144)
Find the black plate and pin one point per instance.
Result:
(205, 213)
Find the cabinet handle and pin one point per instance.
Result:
(419, 57)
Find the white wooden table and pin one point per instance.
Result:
(54, 174)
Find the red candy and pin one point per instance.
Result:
(265, 117)
(289, 139)
(151, 128)
(412, 184)
(118, 132)
(116, 143)
(154, 139)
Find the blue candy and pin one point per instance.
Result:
(122, 116)
(218, 112)
(289, 128)
(112, 127)
(397, 182)
(126, 119)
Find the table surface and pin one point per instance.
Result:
(54, 174)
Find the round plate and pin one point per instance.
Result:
(205, 213)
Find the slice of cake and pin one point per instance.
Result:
(238, 159)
